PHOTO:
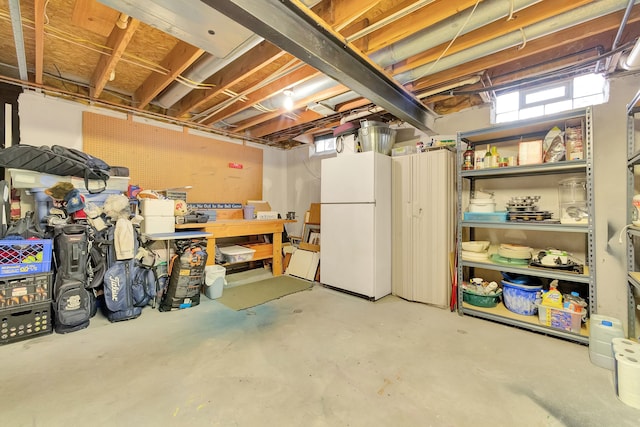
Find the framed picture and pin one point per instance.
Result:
(311, 234)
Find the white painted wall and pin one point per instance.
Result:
(291, 179)
(303, 184)
(46, 120)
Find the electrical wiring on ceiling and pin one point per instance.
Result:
(101, 49)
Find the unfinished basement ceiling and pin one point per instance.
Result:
(226, 64)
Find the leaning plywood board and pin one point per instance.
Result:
(160, 158)
(303, 264)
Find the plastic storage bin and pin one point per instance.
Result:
(20, 257)
(486, 216)
(214, 280)
(560, 318)
(602, 330)
(24, 322)
(237, 253)
(44, 202)
(572, 194)
(28, 289)
(520, 298)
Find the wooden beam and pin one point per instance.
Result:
(117, 42)
(249, 63)
(178, 60)
(341, 13)
(299, 76)
(39, 38)
(576, 38)
(416, 21)
(301, 103)
(531, 15)
(284, 122)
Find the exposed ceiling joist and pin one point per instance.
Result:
(288, 26)
(178, 60)
(117, 42)
(249, 63)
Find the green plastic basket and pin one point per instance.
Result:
(480, 300)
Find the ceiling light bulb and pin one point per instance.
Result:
(288, 103)
(112, 75)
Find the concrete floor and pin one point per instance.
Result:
(315, 358)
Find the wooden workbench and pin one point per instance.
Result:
(242, 227)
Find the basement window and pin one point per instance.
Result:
(579, 92)
(325, 144)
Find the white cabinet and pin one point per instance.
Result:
(423, 230)
(525, 180)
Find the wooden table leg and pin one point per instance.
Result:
(276, 266)
(211, 250)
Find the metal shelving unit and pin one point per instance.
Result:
(633, 232)
(535, 128)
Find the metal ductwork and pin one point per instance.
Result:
(276, 102)
(206, 66)
(447, 29)
(541, 29)
(444, 31)
(287, 26)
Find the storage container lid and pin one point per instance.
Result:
(521, 286)
(235, 250)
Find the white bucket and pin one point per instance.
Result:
(214, 280)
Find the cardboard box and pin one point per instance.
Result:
(158, 224)
(259, 205)
(156, 207)
(530, 152)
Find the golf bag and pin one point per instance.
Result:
(73, 304)
(128, 285)
(186, 275)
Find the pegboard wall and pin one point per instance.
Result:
(159, 158)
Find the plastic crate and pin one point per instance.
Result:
(28, 289)
(486, 216)
(560, 318)
(24, 322)
(20, 257)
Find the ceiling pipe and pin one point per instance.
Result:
(16, 23)
(487, 11)
(447, 29)
(442, 32)
(541, 29)
(631, 61)
(204, 68)
(276, 102)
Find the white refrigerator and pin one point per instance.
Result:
(355, 249)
